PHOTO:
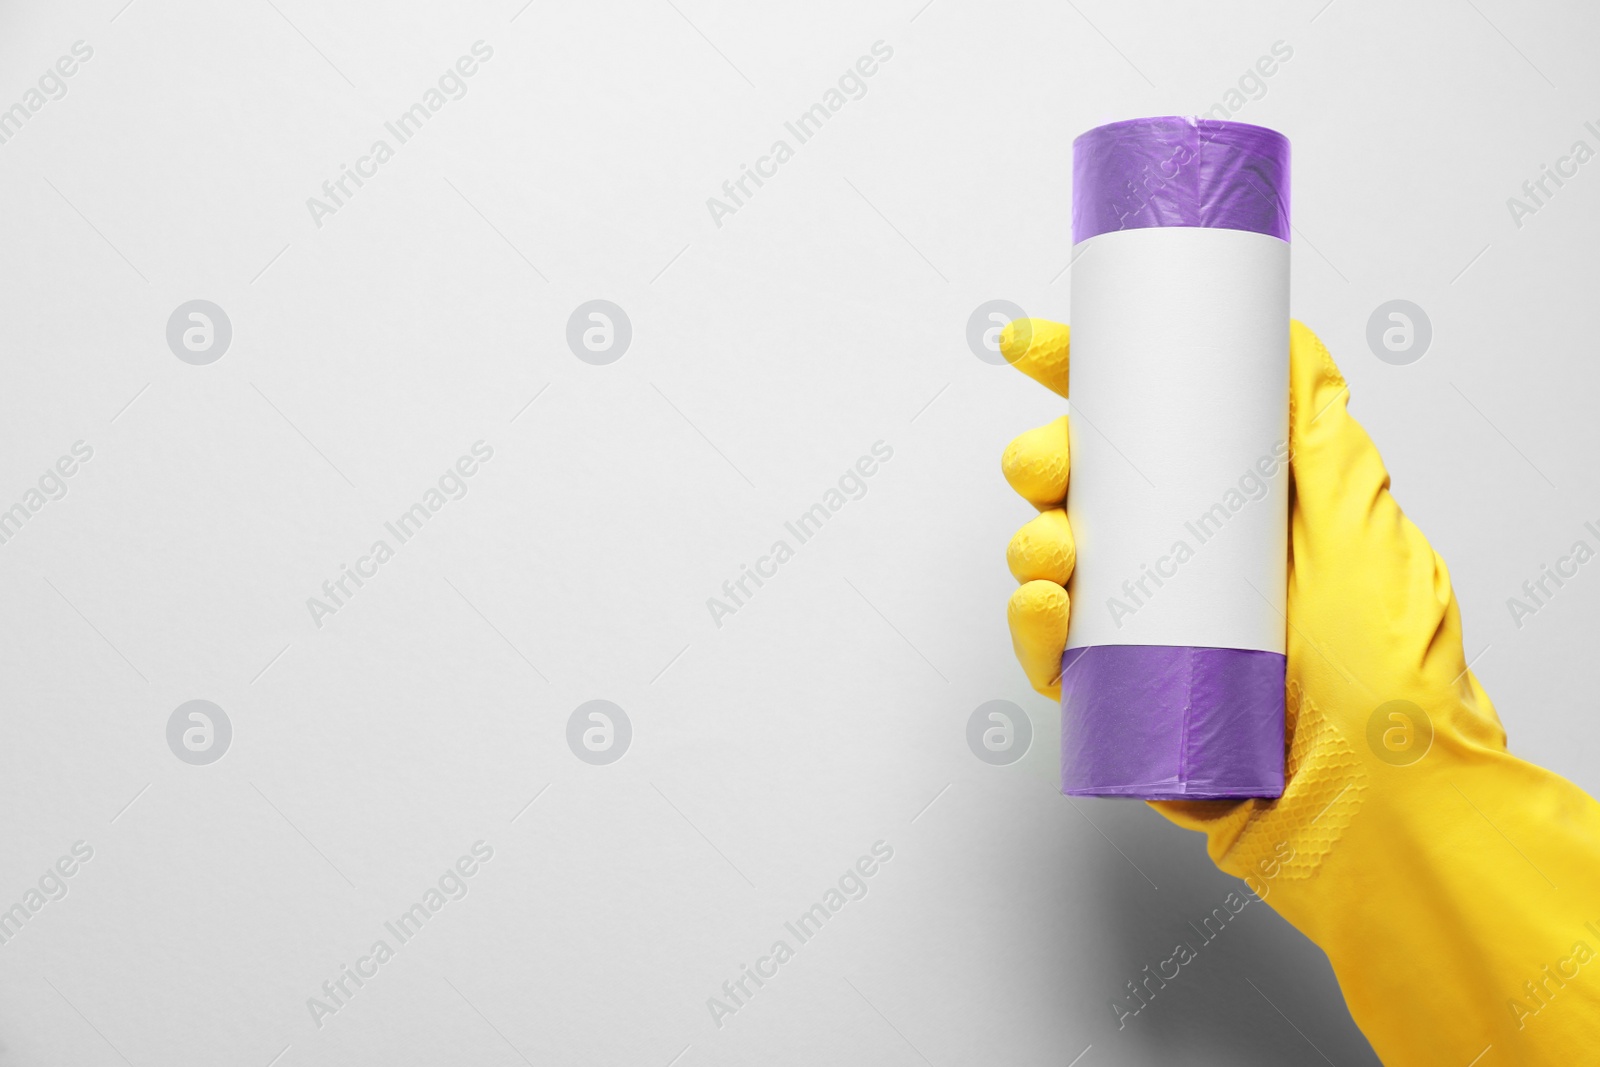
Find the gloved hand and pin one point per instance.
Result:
(1454, 887)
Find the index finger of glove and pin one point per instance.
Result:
(1039, 348)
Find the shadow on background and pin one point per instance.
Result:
(1256, 991)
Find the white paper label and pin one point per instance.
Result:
(1179, 430)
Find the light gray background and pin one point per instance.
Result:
(767, 355)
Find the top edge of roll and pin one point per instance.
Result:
(1175, 170)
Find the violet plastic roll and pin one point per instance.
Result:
(1173, 679)
(1161, 721)
(1180, 172)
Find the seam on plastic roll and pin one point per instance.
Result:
(1188, 716)
(1324, 787)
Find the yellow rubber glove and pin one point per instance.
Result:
(1454, 887)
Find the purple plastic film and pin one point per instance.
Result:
(1164, 722)
(1174, 171)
